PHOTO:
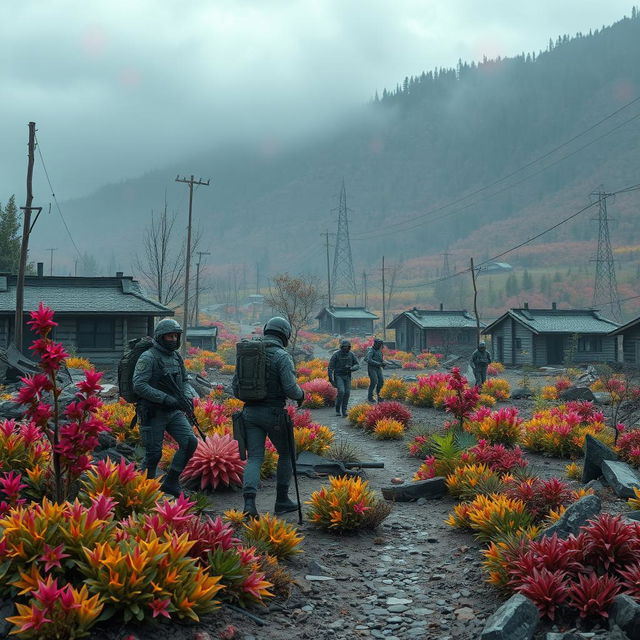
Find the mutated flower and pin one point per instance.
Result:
(32, 387)
(52, 556)
(159, 607)
(42, 320)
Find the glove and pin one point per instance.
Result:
(301, 400)
(171, 403)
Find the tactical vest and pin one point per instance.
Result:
(276, 396)
(343, 363)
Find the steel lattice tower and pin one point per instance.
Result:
(344, 280)
(605, 289)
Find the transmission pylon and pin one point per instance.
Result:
(344, 280)
(605, 289)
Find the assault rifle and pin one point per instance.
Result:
(170, 386)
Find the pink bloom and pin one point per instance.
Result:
(159, 607)
(32, 387)
(360, 507)
(51, 557)
(42, 320)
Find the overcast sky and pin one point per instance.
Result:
(121, 87)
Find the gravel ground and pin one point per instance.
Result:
(414, 577)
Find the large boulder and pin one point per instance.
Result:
(431, 488)
(621, 478)
(516, 619)
(625, 613)
(594, 453)
(521, 392)
(577, 393)
(11, 410)
(576, 515)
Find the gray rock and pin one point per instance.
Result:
(11, 410)
(312, 578)
(616, 633)
(392, 600)
(596, 485)
(595, 452)
(397, 608)
(317, 569)
(632, 515)
(577, 393)
(516, 619)
(569, 635)
(106, 441)
(621, 478)
(6, 610)
(432, 488)
(625, 613)
(521, 392)
(602, 397)
(574, 517)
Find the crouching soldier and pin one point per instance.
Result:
(158, 405)
(341, 365)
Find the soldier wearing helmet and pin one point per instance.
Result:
(157, 410)
(375, 364)
(341, 365)
(267, 417)
(480, 361)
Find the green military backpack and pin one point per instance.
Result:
(127, 366)
(251, 369)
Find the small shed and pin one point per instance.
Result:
(203, 337)
(630, 332)
(96, 316)
(435, 330)
(346, 320)
(541, 337)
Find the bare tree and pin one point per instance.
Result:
(162, 261)
(296, 299)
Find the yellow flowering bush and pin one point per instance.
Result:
(118, 417)
(573, 471)
(362, 383)
(394, 389)
(357, 415)
(498, 388)
(273, 535)
(388, 429)
(74, 362)
(470, 480)
(346, 504)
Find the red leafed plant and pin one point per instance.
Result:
(497, 457)
(73, 439)
(609, 543)
(387, 410)
(323, 388)
(630, 580)
(541, 496)
(216, 461)
(465, 399)
(592, 595)
(547, 589)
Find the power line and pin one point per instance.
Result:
(53, 195)
(635, 187)
(371, 235)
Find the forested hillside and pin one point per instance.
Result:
(433, 140)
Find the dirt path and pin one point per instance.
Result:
(414, 577)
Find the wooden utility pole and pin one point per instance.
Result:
(200, 254)
(384, 306)
(475, 301)
(24, 248)
(51, 250)
(326, 244)
(257, 278)
(364, 288)
(185, 314)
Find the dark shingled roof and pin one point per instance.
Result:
(352, 313)
(558, 321)
(73, 295)
(436, 319)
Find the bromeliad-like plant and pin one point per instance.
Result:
(72, 433)
(464, 400)
(273, 535)
(118, 416)
(497, 427)
(541, 496)
(448, 452)
(498, 388)
(309, 435)
(131, 490)
(628, 446)
(321, 387)
(498, 457)
(468, 481)
(386, 410)
(394, 389)
(56, 612)
(592, 595)
(548, 589)
(216, 461)
(425, 392)
(388, 429)
(347, 504)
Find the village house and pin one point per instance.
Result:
(203, 337)
(346, 320)
(442, 331)
(541, 337)
(630, 332)
(96, 316)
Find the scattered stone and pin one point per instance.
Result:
(438, 576)
(595, 485)
(521, 392)
(317, 569)
(574, 517)
(602, 397)
(594, 453)
(632, 515)
(392, 600)
(397, 608)
(336, 624)
(397, 481)
(516, 619)
(11, 410)
(569, 635)
(465, 614)
(312, 578)
(431, 488)
(621, 478)
(625, 613)
(577, 393)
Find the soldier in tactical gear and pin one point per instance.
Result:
(480, 360)
(158, 409)
(342, 363)
(268, 417)
(375, 364)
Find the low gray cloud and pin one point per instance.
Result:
(119, 88)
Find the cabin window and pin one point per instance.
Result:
(96, 333)
(590, 344)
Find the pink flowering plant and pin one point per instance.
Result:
(465, 399)
(73, 431)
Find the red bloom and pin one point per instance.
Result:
(42, 320)
(159, 607)
(91, 382)
(32, 387)
(52, 556)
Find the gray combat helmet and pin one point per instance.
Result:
(345, 343)
(378, 341)
(279, 326)
(167, 325)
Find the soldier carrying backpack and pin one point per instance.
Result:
(158, 376)
(264, 379)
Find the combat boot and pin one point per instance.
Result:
(250, 509)
(171, 485)
(283, 504)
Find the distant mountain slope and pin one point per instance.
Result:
(433, 140)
